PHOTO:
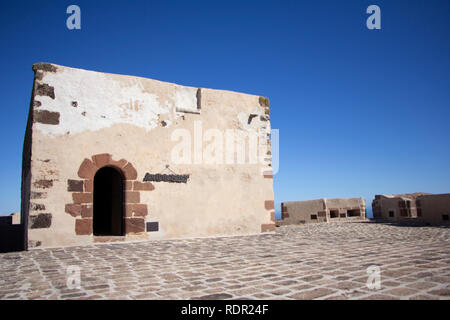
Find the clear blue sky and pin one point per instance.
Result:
(360, 112)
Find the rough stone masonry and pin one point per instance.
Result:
(92, 138)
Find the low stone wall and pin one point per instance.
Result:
(12, 236)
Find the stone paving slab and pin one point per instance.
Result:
(316, 261)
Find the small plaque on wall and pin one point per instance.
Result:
(152, 226)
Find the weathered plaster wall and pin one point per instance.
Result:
(304, 211)
(301, 211)
(382, 205)
(79, 114)
(435, 208)
(423, 207)
(345, 203)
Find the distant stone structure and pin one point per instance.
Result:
(15, 218)
(420, 207)
(98, 160)
(322, 210)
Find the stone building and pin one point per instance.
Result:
(119, 158)
(419, 207)
(396, 207)
(322, 210)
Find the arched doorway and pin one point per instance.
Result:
(108, 202)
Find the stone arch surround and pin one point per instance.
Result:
(81, 208)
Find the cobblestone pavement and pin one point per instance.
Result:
(319, 261)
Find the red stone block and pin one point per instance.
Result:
(82, 197)
(268, 175)
(101, 160)
(135, 210)
(87, 170)
(134, 225)
(143, 186)
(267, 227)
(87, 211)
(132, 197)
(128, 210)
(272, 216)
(88, 186)
(269, 205)
(73, 209)
(128, 185)
(118, 164)
(130, 172)
(140, 210)
(83, 226)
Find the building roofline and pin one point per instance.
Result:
(52, 67)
